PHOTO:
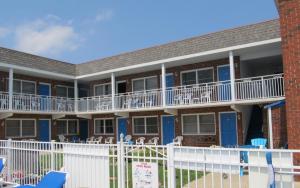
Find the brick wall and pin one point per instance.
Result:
(289, 11)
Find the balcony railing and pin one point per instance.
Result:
(246, 89)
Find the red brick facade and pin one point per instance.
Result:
(289, 11)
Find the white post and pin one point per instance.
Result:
(232, 75)
(113, 90)
(171, 167)
(163, 83)
(10, 87)
(9, 159)
(52, 143)
(121, 164)
(270, 127)
(75, 95)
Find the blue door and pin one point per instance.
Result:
(168, 124)
(169, 85)
(228, 129)
(83, 129)
(44, 90)
(44, 133)
(224, 91)
(122, 127)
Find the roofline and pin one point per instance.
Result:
(169, 60)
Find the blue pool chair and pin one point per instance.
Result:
(259, 142)
(271, 172)
(52, 179)
(2, 164)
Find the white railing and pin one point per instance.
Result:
(270, 86)
(125, 166)
(253, 88)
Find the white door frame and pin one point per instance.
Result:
(220, 126)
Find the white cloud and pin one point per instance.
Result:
(104, 15)
(3, 32)
(46, 37)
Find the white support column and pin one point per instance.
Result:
(113, 90)
(163, 83)
(10, 87)
(76, 95)
(270, 127)
(232, 75)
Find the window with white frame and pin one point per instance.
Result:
(103, 126)
(65, 91)
(67, 127)
(102, 89)
(18, 128)
(143, 84)
(24, 87)
(199, 124)
(197, 76)
(145, 125)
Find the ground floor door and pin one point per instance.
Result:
(122, 127)
(44, 130)
(83, 129)
(228, 127)
(168, 129)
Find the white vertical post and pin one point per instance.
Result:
(121, 164)
(163, 83)
(52, 155)
(10, 87)
(270, 127)
(76, 95)
(232, 75)
(9, 159)
(113, 90)
(171, 166)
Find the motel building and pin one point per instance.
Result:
(223, 88)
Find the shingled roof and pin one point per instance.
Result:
(231, 37)
(227, 38)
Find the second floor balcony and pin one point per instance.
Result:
(251, 90)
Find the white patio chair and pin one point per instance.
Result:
(127, 103)
(153, 141)
(109, 140)
(140, 141)
(98, 140)
(178, 141)
(205, 96)
(187, 99)
(127, 138)
(62, 138)
(4, 103)
(90, 140)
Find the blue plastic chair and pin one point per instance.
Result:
(259, 142)
(271, 172)
(2, 164)
(53, 179)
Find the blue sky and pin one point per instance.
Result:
(77, 31)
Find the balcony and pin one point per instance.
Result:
(247, 90)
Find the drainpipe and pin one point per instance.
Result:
(270, 127)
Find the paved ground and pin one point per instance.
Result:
(225, 181)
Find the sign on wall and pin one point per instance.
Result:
(144, 175)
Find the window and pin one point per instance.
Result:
(17, 128)
(67, 127)
(65, 91)
(197, 76)
(143, 84)
(145, 125)
(199, 124)
(103, 89)
(24, 87)
(103, 126)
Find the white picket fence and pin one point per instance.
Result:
(125, 166)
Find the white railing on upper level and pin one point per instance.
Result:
(246, 89)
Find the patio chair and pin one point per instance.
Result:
(140, 141)
(4, 103)
(98, 140)
(153, 141)
(52, 179)
(90, 140)
(178, 141)
(109, 140)
(62, 138)
(127, 138)
(259, 142)
(205, 97)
